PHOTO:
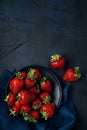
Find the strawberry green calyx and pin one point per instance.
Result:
(35, 107)
(77, 72)
(12, 112)
(18, 75)
(18, 97)
(6, 98)
(55, 57)
(42, 82)
(30, 74)
(47, 99)
(37, 86)
(27, 117)
(44, 114)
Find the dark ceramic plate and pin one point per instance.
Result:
(57, 91)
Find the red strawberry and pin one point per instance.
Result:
(72, 74)
(37, 74)
(18, 105)
(14, 111)
(21, 74)
(34, 114)
(35, 90)
(16, 84)
(45, 97)
(25, 108)
(47, 110)
(57, 61)
(25, 97)
(46, 85)
(29, 83)
(36, 104)
(10, 99)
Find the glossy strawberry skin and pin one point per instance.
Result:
(34, 114)
(11, 99)
(69, 76)
(49, 109)
(26, 108)
(46, 86)
(37, 74)
(59, 64)
(25, 97)
(18, 105)
(16, 85)
(29, 83)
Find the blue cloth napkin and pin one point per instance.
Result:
(64, 119)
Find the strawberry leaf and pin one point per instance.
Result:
(77, 72)
(35, 107)
(30, 74)
(47, 99)
(55, 57)
(44, 114)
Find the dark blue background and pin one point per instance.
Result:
(32, 30)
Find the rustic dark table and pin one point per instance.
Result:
(32, 30)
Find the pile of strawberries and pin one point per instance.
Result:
(30, 96)
(30, 92)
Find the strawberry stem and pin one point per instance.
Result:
(55, 57)
(77, 72)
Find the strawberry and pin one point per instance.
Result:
(10, 99)
(25, 108)
(72, 74)
(14, 110)
(46, 85)
(47, 110)
(18, 105)
(16, 85)
(25, 97)
(57, 62)
(34, 114)
(35, 90)
(36, 104)
(45, 97)
(29, 83)
(21, 74)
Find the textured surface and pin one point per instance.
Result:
(32, 30)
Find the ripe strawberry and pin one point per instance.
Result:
(45, 97)
(36, 104)
(18, 105)
(14, 111)
(34, 114)
(57, 61)
(21, 74)
(25, 108)
(72, 74)
(25, 97)
(47, 110)
(29, 83)
(16, 85)
(10, 99)
(35, 90)
(46, 85)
